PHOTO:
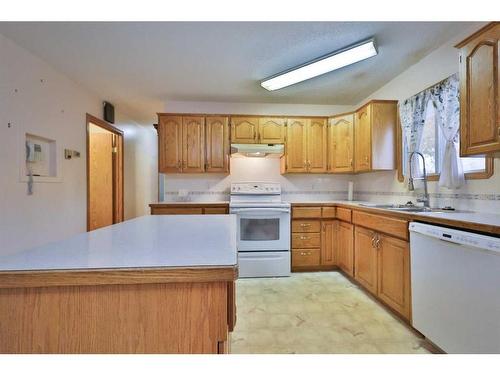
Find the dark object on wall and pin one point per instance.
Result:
(109, 112)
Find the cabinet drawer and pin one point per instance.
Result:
(305, 257)
(306, 226)
(328, 212)
(305, 240)
(214, 211)
(381, 223)
(306, 212)
(344, 214)
(176, 211)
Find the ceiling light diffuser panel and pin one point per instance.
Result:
(335, 60)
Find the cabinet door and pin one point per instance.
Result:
(345, 253)
(271, 130)
(296, 145)
(217, 144)
(244, 129)
(365, 258)
(329, 243)
(169, 144)
(479, 91)
(394, 273)
(316, 146)
(362, 139)
(341, 143)
(193, 144)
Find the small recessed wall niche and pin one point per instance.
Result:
(38, 157)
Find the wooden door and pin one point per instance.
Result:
(329, 242)
(100, 179)
(217, 144)
(169, 144)
(296, 145)
(341, 143)
(244, 129)
(362, 139)
(479, 93)
(345, 253)
(104, 174)
(365, 258)
(271, 130)
(316, 146)
(394, 273)
(193, 144)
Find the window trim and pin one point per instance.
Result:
(481, 175)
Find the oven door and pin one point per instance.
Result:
(263, 229)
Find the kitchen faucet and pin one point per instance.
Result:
(411, 186)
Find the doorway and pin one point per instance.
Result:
(104, 174)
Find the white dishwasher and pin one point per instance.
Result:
(455, 281)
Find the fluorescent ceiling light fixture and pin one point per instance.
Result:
(322, 65)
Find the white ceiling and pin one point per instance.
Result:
(139, 66)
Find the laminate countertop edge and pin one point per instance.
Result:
(123, 276)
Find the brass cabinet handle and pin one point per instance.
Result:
(377, 242)
(304, 238)
(305, 253)
(305, 225)
(179, 165)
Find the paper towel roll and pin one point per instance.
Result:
(350, 191)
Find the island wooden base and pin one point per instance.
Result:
(192, 317)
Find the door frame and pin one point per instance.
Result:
(118, 171)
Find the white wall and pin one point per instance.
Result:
(37, 99)
(476, 194)
(210, 187)
(140, 166)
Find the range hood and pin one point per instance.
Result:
(257, 150)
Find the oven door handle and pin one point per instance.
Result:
(238, 210)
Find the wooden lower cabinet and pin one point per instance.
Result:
(329, 243)
(382, 266)
(394, 273)
(345, 247)
(189, 209)
(365, 258)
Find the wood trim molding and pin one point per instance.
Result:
(35, 279)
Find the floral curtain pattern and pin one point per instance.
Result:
(446, 99)
(445, 96)
(412, 117)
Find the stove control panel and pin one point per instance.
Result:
(258, 188)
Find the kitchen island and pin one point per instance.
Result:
(154, 284)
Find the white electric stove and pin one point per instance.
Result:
(263, 229)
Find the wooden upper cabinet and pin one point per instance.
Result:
(362, 138)
(316, 146)
(375, 136)
(394, 273)
(271, 130)
(296, 145)
(217, 144)
(365, 258)
(244, 129)
(341, 144)
(479, 92)
(169, 144)
(306, 145)
(193, 144)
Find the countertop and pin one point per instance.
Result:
(155, 241)
(484, 222)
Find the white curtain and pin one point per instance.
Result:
(445, 97)
(412, 117)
